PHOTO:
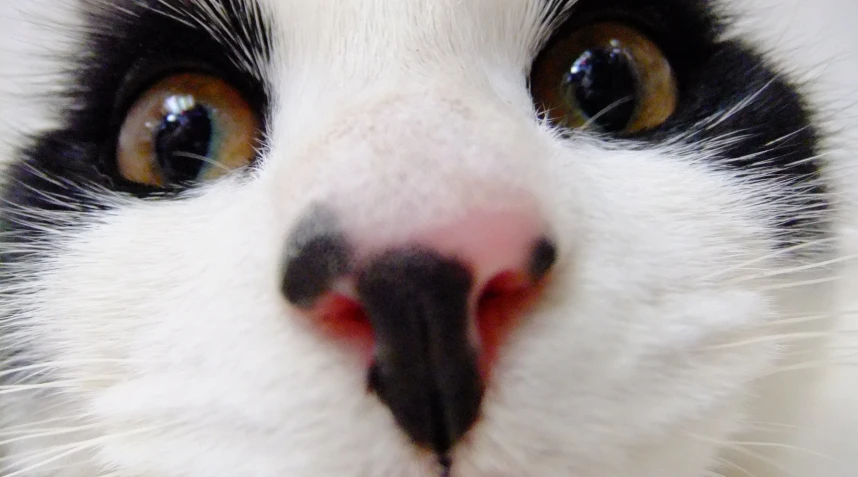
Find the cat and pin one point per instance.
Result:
(480, 238)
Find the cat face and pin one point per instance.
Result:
(518, 238)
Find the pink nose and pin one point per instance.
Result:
(505, 252)
(435, 306)
(494, 243)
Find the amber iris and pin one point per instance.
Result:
(187, 128)
(608, 77)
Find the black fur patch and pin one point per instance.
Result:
(130, 45)
(734, 93)
(772, 136)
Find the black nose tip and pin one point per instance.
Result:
(425, 368)
(417, 301)
(316, 255)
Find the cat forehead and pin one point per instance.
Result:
(432, 17)
(474, 33)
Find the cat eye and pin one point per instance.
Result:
(188, 127)
(605, 76)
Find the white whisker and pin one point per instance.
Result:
(53, 454)
(768, 257)
(47, 433)
(739, 447)
(801, 284)
(33, 426)
(780, 338)
(811, 365)
(203, 159)
(728, 463)
(593, 120)
(802, 268)
(739, 106)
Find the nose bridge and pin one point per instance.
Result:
(395, 161)
(422, 223)
(434, 131)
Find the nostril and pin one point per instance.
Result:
(506, 283)
(513, 282)
(543, 258)
(344, 319)
(412, 311)
(505, 298)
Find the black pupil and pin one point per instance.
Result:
(182, 143)
(601, 84)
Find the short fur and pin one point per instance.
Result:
(698, 323)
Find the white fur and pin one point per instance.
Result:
(673, 342)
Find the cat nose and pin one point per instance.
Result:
(436, 305)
